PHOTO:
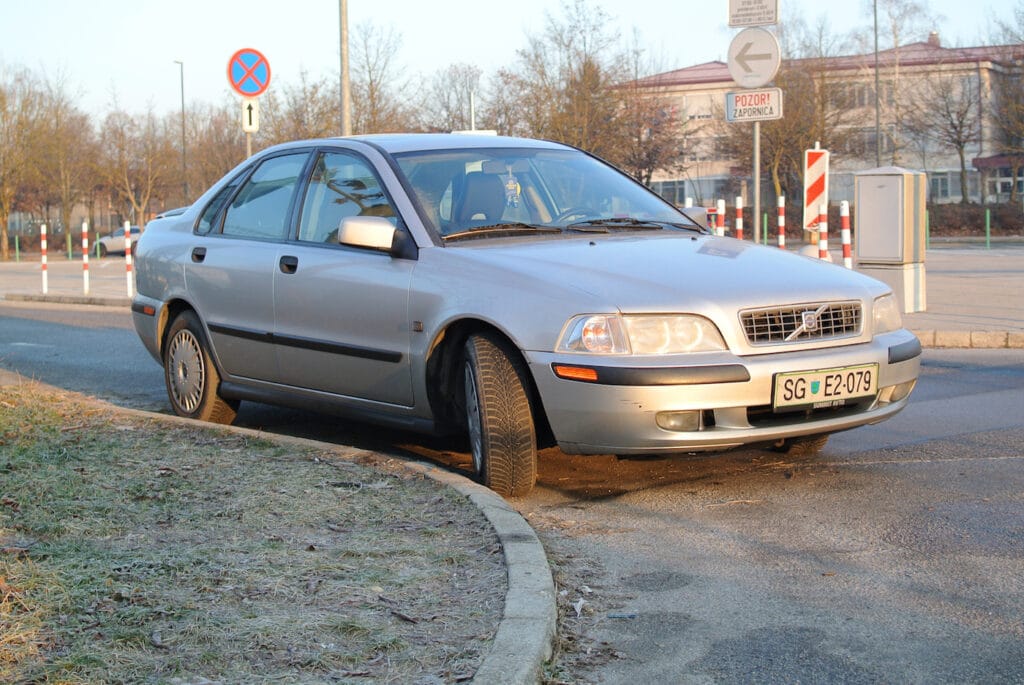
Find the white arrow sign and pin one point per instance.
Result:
(754, 57)
(250, 115)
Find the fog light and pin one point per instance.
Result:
(902, 390)
(678, 420)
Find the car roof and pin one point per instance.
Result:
(416, 142)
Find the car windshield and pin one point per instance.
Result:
(504, 191)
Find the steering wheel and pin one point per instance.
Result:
(573, 211)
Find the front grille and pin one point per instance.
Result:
(800, 323)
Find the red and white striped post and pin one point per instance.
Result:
(85, 258)
(128, 255)
(739, 218)
(844, 233)
(42, 248)
(782, 221)
(823, 232)
(720, 229)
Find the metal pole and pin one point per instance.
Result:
(346, 92)
(757, 175)
(878, 99)
(184, 163)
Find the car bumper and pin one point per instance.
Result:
(728, 398)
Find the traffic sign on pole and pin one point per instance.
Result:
(754, 57)
(815, 185)
(250, 115)
(249, 72)
(754, 105)
(753, 12)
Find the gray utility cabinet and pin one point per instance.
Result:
(890, 224)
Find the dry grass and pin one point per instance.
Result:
(134, 551)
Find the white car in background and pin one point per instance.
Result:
(114, 242)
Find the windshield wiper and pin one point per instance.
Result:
(629, 223)
(616, 222)
(492, 229)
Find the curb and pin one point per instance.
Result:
(977, 340)
(526, 632)
(70, 299)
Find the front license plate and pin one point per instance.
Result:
(824, 387)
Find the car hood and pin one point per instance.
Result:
(671, 273)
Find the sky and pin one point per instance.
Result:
(124, 51)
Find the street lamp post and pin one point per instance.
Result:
(184, 164)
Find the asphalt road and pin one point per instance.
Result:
(897, 555)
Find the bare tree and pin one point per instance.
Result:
(139, 157)
(380, 96)
(452, 95)
(900, 22)
(216, 142)
(653, 126)
(564, 82)
(948, 115)
(68, 147)
(20, 112)
(1011, 31)
(305, 110)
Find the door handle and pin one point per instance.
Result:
(289, 265)
(198, 254)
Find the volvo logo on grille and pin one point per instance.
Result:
(810, 321)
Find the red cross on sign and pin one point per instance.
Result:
(815, 185)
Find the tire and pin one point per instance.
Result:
(103, 250)
(804, 446)
(190, 375)
(499, 420)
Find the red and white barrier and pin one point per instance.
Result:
(844, 233)
(782, 221)
(720, 228)
(42, 248)
(823, 232)
(85, 258)
(128, 255)
(739, 218)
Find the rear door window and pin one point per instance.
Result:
(263, 205)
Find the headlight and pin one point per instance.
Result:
(640, 334)
(887, 315)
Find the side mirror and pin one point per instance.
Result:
(372, 232)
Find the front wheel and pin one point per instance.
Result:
(498, 417)
(190, 375)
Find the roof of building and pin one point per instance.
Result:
(922, 53)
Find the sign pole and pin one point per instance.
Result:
(757, 175)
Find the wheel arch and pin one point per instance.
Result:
(444, 369)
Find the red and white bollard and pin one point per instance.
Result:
(739, 218)
(85, 258)
(128, 255)
(720, 229)
(42, 248)
(782, 221)
(844, 233)
(823, 232)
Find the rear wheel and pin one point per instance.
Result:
(190, 375)
(498, 417)
(803, 446)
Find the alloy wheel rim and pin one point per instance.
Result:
(473, 418)
(186, 371)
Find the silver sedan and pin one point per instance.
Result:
(521, 292)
